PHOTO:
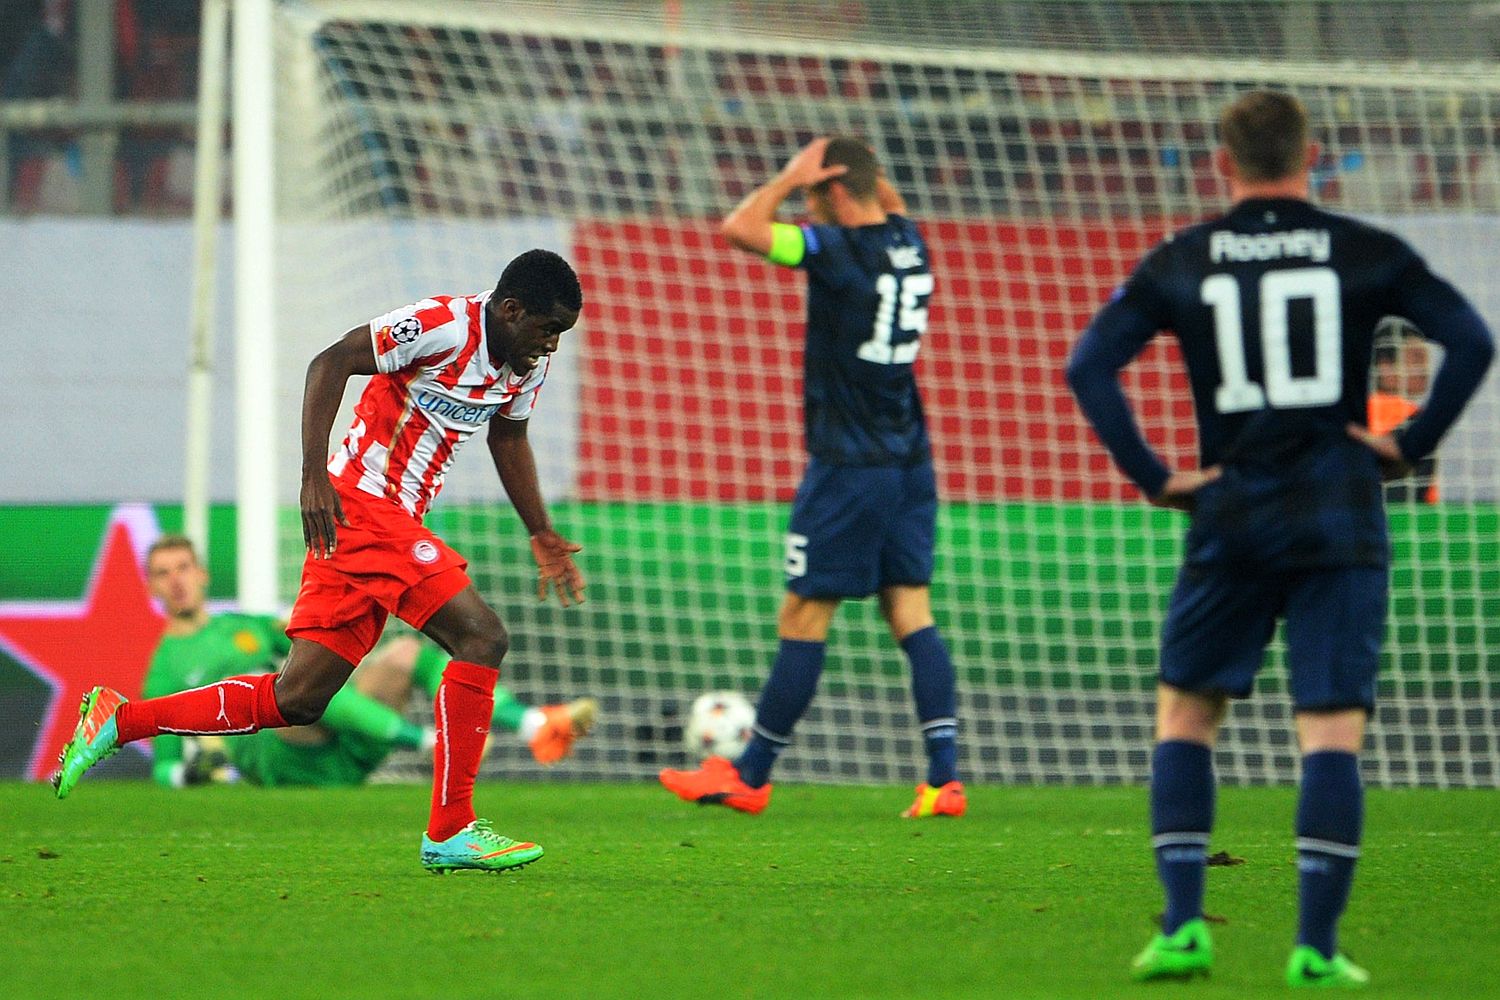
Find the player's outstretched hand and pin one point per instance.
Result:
(1180, 490)
(806, 168)
(321, 513)
(1393, 464)
(555, 567)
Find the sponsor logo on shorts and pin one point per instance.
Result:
(424, 552)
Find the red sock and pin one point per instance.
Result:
(234, 705)
(462, 706)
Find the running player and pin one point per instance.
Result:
(363, 722)
(1274, 306)
(442, 368)
(864, 517)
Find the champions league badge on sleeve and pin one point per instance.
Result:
(407, 330)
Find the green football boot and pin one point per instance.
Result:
(479, 847)
(1185, 953)
(94, 738)
(1307, 968)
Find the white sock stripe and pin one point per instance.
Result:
(1315, 846)
(206, 732)
(219, 685)
(1182, 839)
(931, 724)
(767, 734)
(443, 735)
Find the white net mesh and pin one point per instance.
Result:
(1043, 146)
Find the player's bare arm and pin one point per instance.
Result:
(516, 464)
(352, 354)
(748, 227)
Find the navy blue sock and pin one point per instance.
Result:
(932, 685)
(788, 692)
(1330, 817)
(1182, 816)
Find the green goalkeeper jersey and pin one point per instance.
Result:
(228, 645)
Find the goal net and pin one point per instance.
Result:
(1043, 146)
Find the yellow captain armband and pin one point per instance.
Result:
(788, 246)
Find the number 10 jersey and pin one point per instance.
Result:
(1275, 306)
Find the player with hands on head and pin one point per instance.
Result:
(865, 514)
(442, 368)
(1274, 306)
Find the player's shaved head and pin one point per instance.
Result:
(540, 280)
(171, 543)
(859, 178)
(1266, 134)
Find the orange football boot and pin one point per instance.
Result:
(947, 800)
(716, 783)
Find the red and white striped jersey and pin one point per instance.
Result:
(437, 385)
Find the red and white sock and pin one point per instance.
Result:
(234, 705)
(462, 707)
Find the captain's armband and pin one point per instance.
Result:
(788, 246)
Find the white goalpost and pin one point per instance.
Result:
(256, 319)
(414, 148)
(208, 196)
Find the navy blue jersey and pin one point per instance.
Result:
(867, 291)
(1275, 307)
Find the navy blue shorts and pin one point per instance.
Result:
(1221, 618)
(858, 528)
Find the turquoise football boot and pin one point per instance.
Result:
(479, 847)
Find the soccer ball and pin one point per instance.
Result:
(719, 725)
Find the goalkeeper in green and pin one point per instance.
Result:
(363, 722)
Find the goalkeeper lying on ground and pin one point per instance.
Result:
(363, 722)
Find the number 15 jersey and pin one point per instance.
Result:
(867, 292)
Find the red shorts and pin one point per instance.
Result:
(385, 563)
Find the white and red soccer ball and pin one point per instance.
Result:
(719, 725)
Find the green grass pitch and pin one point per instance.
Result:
(128, 891)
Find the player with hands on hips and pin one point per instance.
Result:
(1275, 307)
